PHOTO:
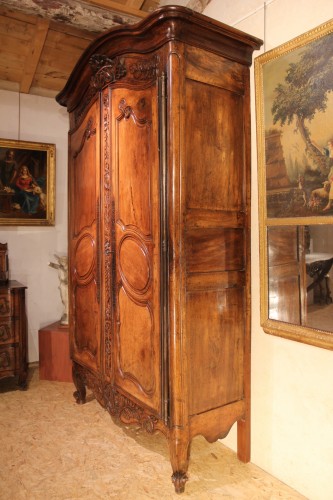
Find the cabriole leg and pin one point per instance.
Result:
(179, 457)
(80, 393)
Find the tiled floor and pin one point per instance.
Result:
(53, 449)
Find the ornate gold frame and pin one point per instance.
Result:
(274, 57)
(40, 158)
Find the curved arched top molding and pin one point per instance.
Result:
(166, 24)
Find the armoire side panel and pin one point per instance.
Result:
(216, 346)
(214, 177)
(84, 278)
(137, 244)
(215, 246)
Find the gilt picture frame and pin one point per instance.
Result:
(27, 183)
(294, 115)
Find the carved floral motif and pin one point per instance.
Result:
(119, 406)
(127, 411)
(145, 69)
(106, 70)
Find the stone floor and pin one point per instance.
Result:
(53, 449)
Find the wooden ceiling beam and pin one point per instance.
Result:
(118, 7)
(136, 4)
(37, 44)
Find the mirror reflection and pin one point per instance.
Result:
(300, 275)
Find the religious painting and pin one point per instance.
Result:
(27, 183)
(294, 84)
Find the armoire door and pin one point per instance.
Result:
(84, 275)
(136, 288)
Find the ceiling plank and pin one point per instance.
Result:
(34, 54)
(121, 8)
(136, 4)
(71, 31)
(17, 15)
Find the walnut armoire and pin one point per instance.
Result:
(159, 229)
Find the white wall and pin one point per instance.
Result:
(292, 396)
(37, 119)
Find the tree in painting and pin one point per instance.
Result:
(305, 93)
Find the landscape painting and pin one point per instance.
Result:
(294, 95)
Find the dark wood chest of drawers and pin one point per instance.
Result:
(13, 332)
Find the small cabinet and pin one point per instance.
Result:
(159, 229)
(13, 333)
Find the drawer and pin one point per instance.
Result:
(5, 305)
(7, 332)
(8, 358)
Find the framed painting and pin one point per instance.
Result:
(294, 107)
(27, 183)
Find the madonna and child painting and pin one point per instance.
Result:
(26, 183)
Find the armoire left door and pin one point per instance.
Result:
(84, 252)
(138, 360)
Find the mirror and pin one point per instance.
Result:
(297, 283)
(300, 278)
(294, 106)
